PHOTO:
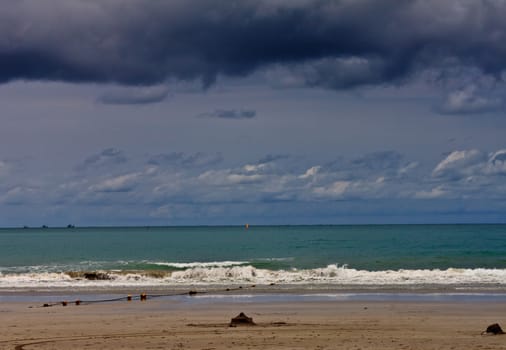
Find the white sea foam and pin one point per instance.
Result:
(227, 275)
(334, 274)
(199, 264)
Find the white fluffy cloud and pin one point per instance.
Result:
(122, 183)
(436, 192)
(20, 195)
(496, 164)
(177, 193)
(469, 174)
(458, 163)
(471, 99)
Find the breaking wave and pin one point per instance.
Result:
(230, 273)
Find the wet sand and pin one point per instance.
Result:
(173, 324)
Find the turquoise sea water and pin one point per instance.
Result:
(402, 255)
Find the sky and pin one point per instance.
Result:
(129, 112)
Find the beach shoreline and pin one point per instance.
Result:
(183, 324)
(246, 295)
(276, 289)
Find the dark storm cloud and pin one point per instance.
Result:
(181, 159)
(389, 164)
(230, 114)
(333, 44)
(378, 160)
(106, 157)
(269, 158)
(135, 95)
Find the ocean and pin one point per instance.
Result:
(357, 257)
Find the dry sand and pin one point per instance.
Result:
(162, 324)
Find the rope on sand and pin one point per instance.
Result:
(145, 297)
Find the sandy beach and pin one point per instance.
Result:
(172, 324)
